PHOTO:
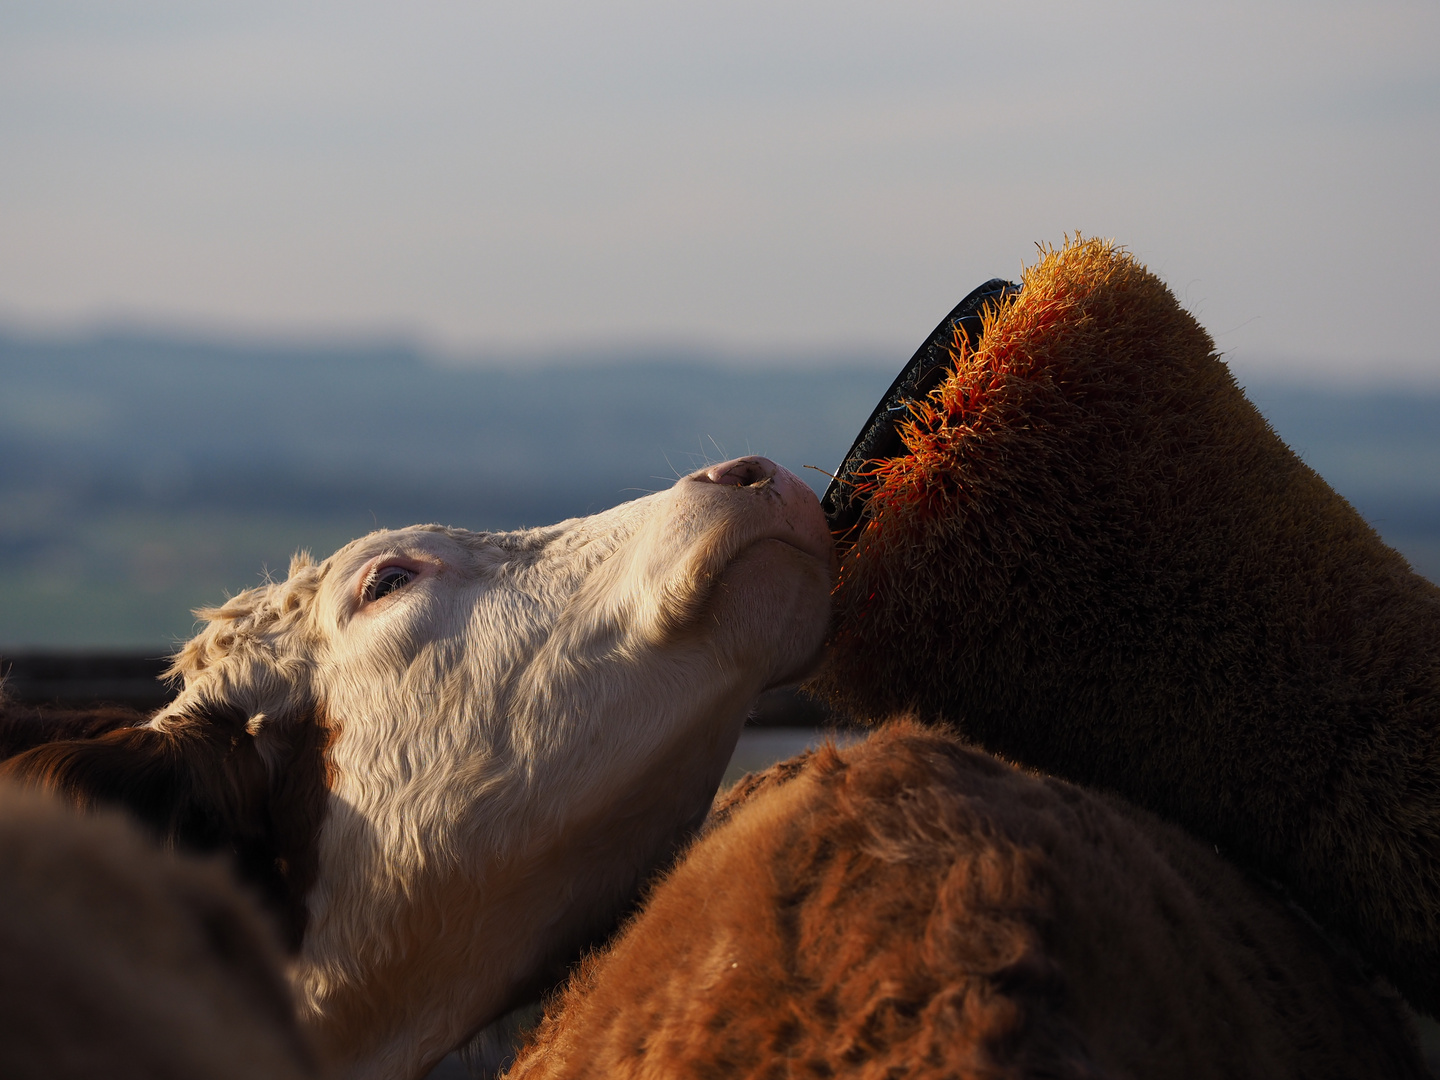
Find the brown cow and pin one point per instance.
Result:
(1093, 554)
(121, 961)
(910, 906)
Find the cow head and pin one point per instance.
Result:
(451, 757)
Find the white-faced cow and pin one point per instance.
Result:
(449, 758)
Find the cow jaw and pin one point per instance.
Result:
(522, 732)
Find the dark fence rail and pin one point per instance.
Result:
(134, 679)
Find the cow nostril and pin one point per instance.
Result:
(742, 472)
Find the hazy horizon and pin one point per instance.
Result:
(143, 477)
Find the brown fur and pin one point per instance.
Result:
(23, 726)
(119, 961)
(198, 783)
(912, 907)
(1097, 558)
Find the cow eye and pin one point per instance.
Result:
(386, 580)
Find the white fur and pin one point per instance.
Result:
(521, 734)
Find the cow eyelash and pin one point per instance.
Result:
(383, 580)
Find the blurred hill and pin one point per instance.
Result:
(141, 476)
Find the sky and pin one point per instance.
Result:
(786, 177)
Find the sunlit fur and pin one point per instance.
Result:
(511, 741)
(911, 907)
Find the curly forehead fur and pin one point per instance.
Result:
(269, 628)
(250, 619)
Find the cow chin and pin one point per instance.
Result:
(775, 600)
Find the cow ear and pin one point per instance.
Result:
(23, 726)
(127, 767)
(207, 776)
(194, 781)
